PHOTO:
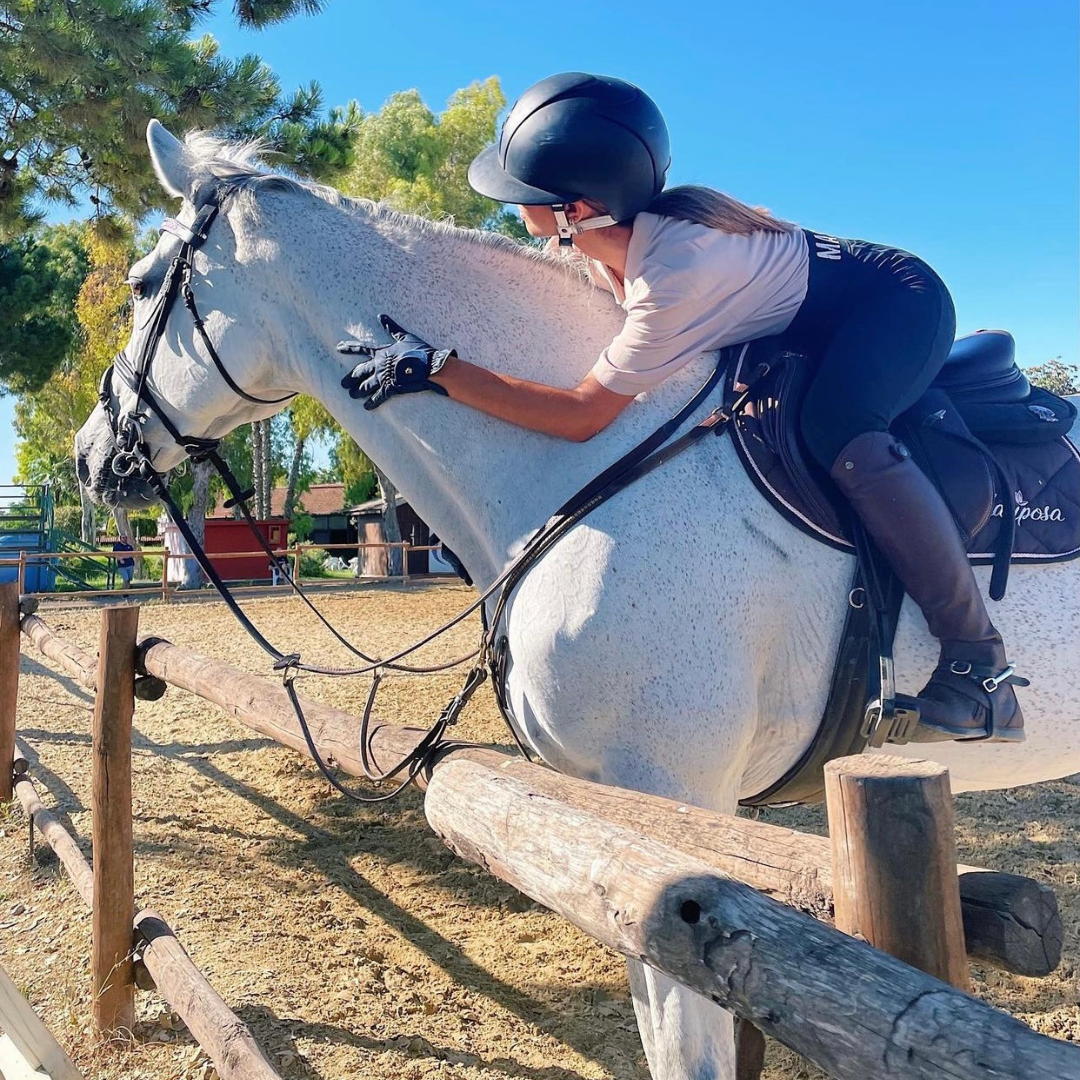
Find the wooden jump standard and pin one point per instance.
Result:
(668, 907)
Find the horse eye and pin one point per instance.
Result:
(136, 287)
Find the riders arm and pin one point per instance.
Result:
(576, 414)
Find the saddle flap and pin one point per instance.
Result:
(957, 464)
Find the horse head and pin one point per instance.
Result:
(199, 362)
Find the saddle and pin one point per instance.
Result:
(996, 447)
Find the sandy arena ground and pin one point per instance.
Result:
(349, 939)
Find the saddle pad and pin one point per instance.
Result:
(1045, 485)
(1040, 484)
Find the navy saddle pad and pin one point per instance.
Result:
(995, 446)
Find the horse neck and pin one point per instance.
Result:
(482, 485)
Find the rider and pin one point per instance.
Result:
(585, 157)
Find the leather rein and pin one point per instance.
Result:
(134, 458)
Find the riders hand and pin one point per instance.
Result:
(403, 367)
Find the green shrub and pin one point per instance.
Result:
(151, 568)
(301, 527)
(144, 524)
(311, 563)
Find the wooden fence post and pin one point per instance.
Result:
(22, 572)
(165, 575)
(893, 837)
(405, 562)
(296, 563)
(9, 683)
(114, 885)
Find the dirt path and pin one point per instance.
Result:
(349, 938)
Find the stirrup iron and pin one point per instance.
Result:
(891, 717)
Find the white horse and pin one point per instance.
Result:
(679, 640)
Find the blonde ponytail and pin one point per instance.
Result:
(704, 206)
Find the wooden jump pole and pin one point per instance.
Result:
(226, 1039)
(57, 837)
(893, 836)
(9, 683)
(852, 1010)
(114, 872)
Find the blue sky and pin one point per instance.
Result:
(948, 127)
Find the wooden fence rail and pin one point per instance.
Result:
(656, 891)
(852, 1010)
(106, 886)
(1010, 921)
(294, 553)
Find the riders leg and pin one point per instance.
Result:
(881, 359)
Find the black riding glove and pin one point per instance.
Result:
(403, 367)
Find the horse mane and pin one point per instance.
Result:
(241, 172)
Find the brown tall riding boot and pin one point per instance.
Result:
(970, 695)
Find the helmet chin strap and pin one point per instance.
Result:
(569, 229)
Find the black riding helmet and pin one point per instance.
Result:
(577, 136)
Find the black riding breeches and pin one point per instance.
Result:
(880, 323)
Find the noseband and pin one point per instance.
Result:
(132, 455)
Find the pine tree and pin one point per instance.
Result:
(79, 82)
(40, 277)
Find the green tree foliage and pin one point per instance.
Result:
(80, 81)
(260, 13)
(417, 161)
(46, 421)
(40, 278)
(308, 422)
(355, 470)
(1055, 376)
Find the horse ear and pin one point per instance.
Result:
(169, 160)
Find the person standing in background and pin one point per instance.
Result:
(125, 566)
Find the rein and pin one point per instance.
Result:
(133, 458)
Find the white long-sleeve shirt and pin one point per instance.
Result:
(689, 288)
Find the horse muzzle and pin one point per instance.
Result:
(108, 471)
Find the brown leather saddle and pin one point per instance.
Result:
(998, 450)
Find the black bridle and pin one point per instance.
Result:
(128, 426)
(133, 458)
